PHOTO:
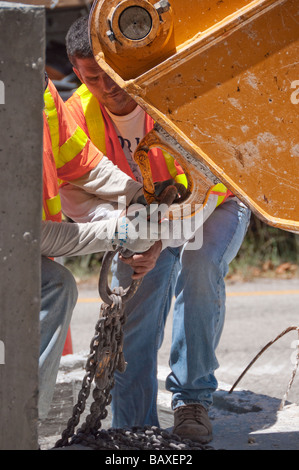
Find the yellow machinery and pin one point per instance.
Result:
(221, 80)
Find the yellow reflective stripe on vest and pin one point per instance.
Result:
(71, 147)
(54, 205)
(169, 160)
(53, 121)
(182, 179)
(94, 118)
(219, 190)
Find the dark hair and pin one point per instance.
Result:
(77, 40)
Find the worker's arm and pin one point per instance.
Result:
(107, 182)
(102, 193)
(130, 231)
(71, 239)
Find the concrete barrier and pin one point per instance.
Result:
(21, 101)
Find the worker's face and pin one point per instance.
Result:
(103, 87)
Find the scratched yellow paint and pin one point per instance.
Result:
(220, 78)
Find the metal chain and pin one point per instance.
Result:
(106, 356)
(137, 438)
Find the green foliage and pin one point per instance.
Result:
(83, 267)
(266, 246)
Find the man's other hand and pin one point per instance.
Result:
(142, 263)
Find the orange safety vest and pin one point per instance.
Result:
(96, 123)
(67, 152)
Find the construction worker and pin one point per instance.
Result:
(68, 155)
(196, 277)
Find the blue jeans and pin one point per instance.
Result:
(58, 299)
(196, 278)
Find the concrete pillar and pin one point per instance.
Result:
(21, 102)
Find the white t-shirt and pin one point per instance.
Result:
(130, 129)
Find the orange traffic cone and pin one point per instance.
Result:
(68, 346)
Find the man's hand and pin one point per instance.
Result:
(142, 263)
(159, 188)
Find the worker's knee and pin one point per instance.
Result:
(66, 282)
(59, 290)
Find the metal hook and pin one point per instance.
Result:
(106, 294)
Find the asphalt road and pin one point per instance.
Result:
(256, 312)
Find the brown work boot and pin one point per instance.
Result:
(192, 422)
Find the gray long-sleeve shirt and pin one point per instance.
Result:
(101, 188)
(72, 239)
